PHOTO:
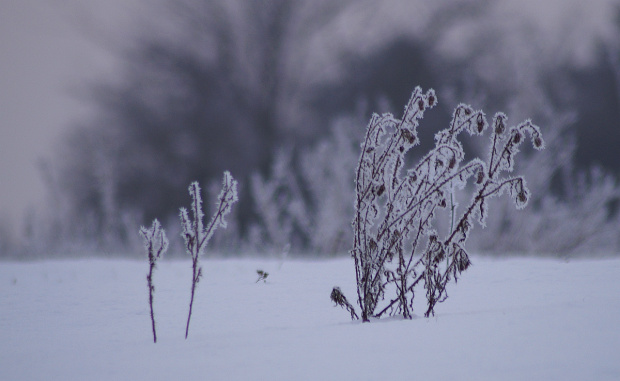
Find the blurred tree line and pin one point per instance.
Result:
(225, 84)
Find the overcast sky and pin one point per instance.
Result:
(46, 50)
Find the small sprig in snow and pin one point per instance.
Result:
(396, 245)
(155, 244)
(262, 275)
(196, 236)
(338, 297)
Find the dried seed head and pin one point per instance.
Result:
(381, 190)
(479, 177)
(407, 135)
(463, 263)
(337, 296)
(413, 177)
(452, 163)
(517, 137)
(421, 104)
(467, 110)
(499, 126)
(431, 100)
(443, 203)
(440, 255)
(401, 149)
(480, 123)
(522, 197)
(538, 142)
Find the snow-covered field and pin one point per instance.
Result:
(515, 319)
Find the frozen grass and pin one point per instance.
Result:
(506, 319)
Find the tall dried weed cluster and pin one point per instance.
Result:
(397, 244)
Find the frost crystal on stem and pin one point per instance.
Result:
(196, 236)
(155, 244)
(396, 243)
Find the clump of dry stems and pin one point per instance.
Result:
(396, 243)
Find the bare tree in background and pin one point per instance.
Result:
(563, 192)
(216, 83)
(226, 87)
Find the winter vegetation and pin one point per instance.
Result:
(155, 244)
(197, 236)
(278, 93)
(396, 231)
(262, 275)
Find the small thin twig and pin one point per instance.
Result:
(155, 244)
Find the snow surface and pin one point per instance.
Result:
(515, 319)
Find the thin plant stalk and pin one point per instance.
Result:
(155, 244)
(197, 236)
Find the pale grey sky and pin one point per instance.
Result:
(46, 50)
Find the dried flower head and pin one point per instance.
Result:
(480, 123)
(463, 262)
(538, 142)
(452, 163)
(262, 275)
(381, 190)
(431, 100)
(407, 135)
(339, 299)
(500, 127)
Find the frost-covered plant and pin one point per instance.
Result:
(280, 205)
(338, 297)
(226, 241)
(155, 244)
(305, 202)
(583, 222)
(196, 235)
(574, 211)
(396, 241)
(329, 181)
